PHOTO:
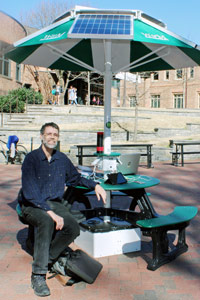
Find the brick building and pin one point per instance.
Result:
(163, 89)
(10, 72)
(13, 75)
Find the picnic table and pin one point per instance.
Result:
(146, 218)
(180, 151)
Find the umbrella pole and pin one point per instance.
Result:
(107, 97)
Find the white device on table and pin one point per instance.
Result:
(107, 164)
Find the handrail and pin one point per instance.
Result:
(10, 112)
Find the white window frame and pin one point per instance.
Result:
(177, 98)
(4, 61)
(132, 101)
(167, 72)
(154, 75)
(198, 99)
(155, 101)
(191, 70)
(177, 77)
(18, 72)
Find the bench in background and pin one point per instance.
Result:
(179, 150)
(147, 147)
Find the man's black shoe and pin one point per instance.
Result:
(38, 283)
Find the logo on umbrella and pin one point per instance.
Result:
(52, 36)
(155, 36)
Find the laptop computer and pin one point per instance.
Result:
(129, 163)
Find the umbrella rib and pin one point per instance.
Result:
(148, 61)
(127, 67)
(72, 59)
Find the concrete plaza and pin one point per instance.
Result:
(124, 277)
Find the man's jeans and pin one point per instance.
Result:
(48, 242)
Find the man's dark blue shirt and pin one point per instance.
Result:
(43, 180)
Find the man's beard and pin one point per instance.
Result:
(50, 146)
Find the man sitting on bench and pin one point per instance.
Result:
(45, 172)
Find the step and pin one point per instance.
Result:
(21, 117)
(82, 109)
(28, 120)
(18, 122)
(41, 112)
(38, 110)
(39, 107)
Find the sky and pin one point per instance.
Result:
(180, 16)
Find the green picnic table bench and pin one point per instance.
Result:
(155, 227)
(158, 227)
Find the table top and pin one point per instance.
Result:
(112, 154)
(186, 142)
(133, 182)
(116, 145)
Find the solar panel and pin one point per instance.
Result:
(102, 26)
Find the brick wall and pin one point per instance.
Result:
(166, 89)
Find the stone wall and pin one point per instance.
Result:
(29, 135)
(31, 139)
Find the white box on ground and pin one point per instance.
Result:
(99, 244)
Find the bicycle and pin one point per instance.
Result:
(20, 153)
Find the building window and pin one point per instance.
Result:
(18, 72)
(115, 83)
(166, 75)
(179, 74)
(4, 66)
(155, 76)
(178, 101)
(155, 101)
(198, 100)
(133, 101)
(191, 72)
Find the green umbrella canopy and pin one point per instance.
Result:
(148, 47)
(106, 42)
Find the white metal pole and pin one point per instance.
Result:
(107, 97)
(124, 93)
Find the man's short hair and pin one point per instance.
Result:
(51, 124)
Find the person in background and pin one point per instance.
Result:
(72, 95)
(75, 98)
(57, 95)
(53, 92)
(49, 101)
(98, 101)
(87, 99)
(94, 100)
(45, 173)
(12, 146)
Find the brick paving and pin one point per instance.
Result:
(123, 276)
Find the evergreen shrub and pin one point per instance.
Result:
(16, 100)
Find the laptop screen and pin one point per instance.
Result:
(129, 163)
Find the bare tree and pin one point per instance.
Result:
(41, 80)
(44, 13)
(138, 97)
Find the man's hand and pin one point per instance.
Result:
(101, 193)
(57, 219)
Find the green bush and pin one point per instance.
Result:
(16, 99)
(4, 103)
